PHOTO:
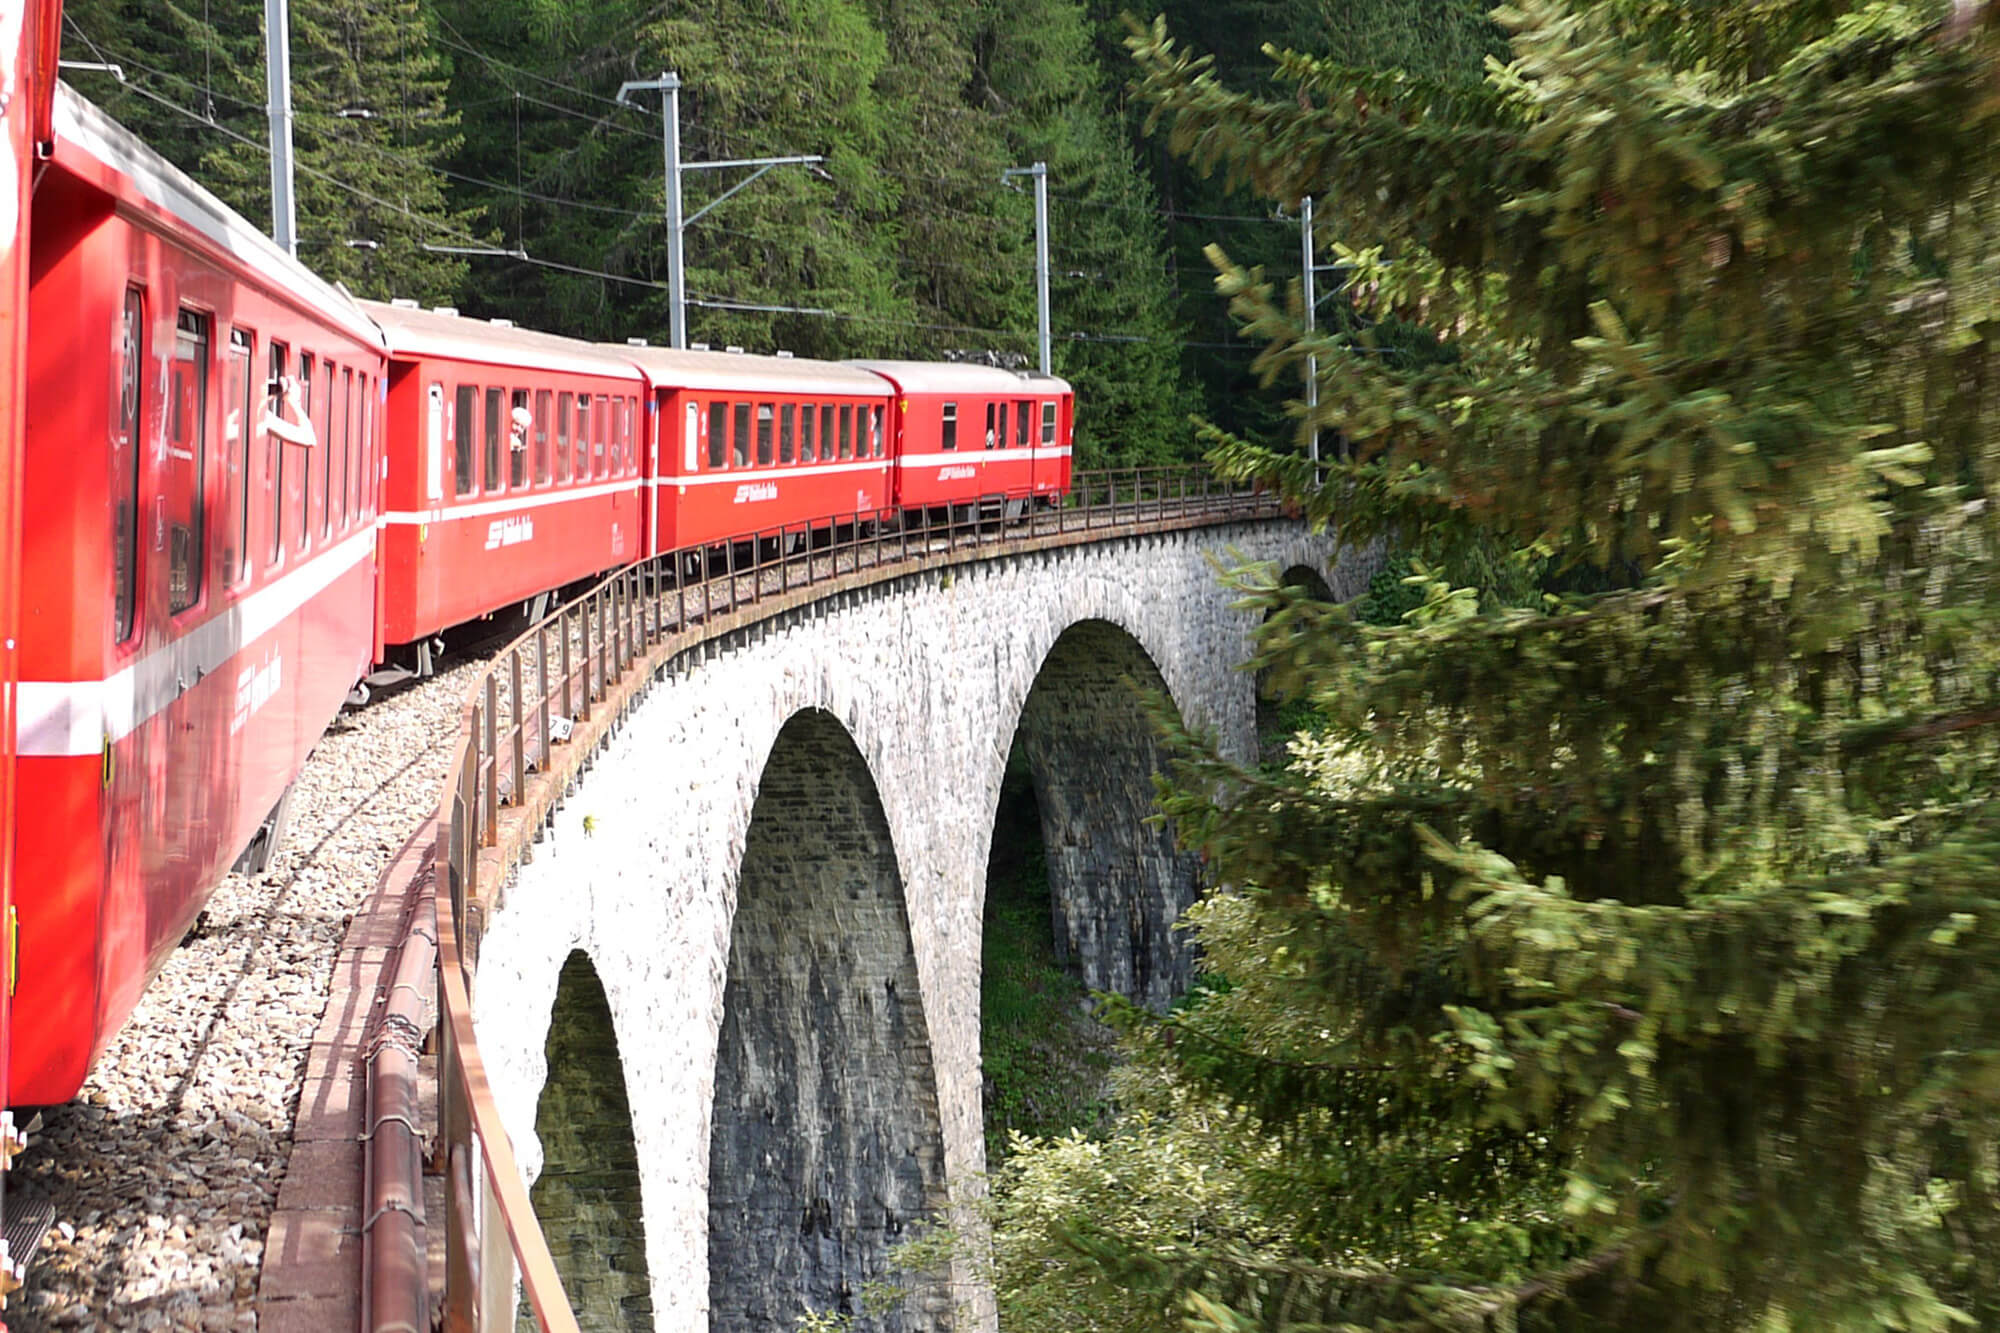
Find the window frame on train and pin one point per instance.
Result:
(183, 489)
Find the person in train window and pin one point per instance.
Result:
(521, 420)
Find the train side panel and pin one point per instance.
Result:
(198, 590)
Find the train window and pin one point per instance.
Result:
(240, 403)
(788, 417)
(346, 469)
(990, 415)
(494, 400)
(582, 436)
(274, 452)
(847, 430)
(826, 415)
(520, 421)
(875, 431)
(187, 446)
(336, 429)
(619, 424)
(740, 435)
(364, 447)
(543, 400)
(563, 401)
(764, 421)
(635, 437)
(464, 427)
(1024, 424)
(948, 435)
(718, 434)
(600, 430)
(1048, 424)
(806, 415)
(306, 368)
(125, 468)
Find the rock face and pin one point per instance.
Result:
(777, 869)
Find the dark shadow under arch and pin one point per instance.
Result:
(825, 1144)
(587, 1196)
(1117, 883)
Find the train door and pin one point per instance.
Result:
(434, 445)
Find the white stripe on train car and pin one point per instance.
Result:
(969, 454)
(69, 718)
(508, 504)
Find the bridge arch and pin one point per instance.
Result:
(824, 1145)
(1117, 883)
(587, 1196)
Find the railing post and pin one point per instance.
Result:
(542, 688)
(583, 711)
(489, 764)
(520, 724)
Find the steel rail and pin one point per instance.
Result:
(545, 706)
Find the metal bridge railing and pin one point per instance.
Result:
(540, 711)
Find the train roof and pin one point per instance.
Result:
(413, 332)
(962, 377)
(80, 126)
(678, 368)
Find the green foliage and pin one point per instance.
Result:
(1622, 950)
(368, 195)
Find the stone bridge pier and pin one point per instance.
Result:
(731, 1007)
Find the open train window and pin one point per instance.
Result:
(788, 419)
(494, 400)
(764, 434)
(274, 454)
(582, 436)
(948, 433)
(620, 427)
(125, 467)
(875, 431)
(741, 435)
(847, 430)
(464, 429)
(992, 418)
(806, 415)
(239, 396)
(308, 405)
(1048, 424)
(187, 449)
(563, 402)
(543, 401)
(718, 434)
(520, 422)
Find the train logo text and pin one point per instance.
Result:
(509, 532)
(752, 491)
(255, 687)
(957, 473)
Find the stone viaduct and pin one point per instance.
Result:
(731, 1007)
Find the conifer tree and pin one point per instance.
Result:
(1632, 959)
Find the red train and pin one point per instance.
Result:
(250, 493)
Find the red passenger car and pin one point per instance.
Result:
(198, 568)
(753, 442)
(967, 433)
(515, 465)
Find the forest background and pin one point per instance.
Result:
(426, 129)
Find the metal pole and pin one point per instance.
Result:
(1041, 174)
(278, 103)
(670, 85)
(1311, 300)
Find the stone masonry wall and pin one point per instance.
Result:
(928, 675)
